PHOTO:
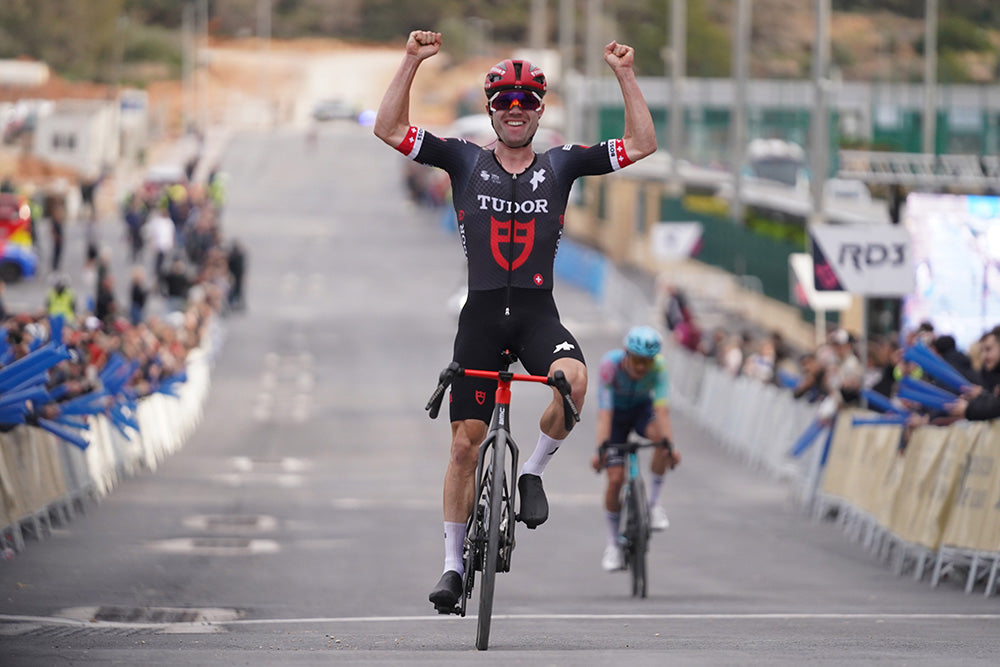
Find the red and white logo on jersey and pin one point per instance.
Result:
(538, 279)
(500, 235)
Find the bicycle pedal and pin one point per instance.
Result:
(448, 610)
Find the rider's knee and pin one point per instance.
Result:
(577, 377)
(465, 445)
(616, 477)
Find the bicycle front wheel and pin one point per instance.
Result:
(492, 523)
(639, 524)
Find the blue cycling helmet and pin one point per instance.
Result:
(643, 341)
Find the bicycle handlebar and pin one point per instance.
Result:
(444, 379)
(636, 442)
(558, 381)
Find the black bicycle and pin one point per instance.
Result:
(489, 540)
(634, 527)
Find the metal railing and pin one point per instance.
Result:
(921, 169)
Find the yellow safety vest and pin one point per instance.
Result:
(61, 304)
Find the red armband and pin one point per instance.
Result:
(410, 145)
(616, 151)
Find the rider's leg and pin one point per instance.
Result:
(612, 559)
(552, 426)
(658, 466)
(534, 506)
(612, 501)
(459, 485)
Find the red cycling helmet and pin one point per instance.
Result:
(515, 75)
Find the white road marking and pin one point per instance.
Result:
(818, 616)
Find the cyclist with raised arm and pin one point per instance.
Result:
(509, 203)
(632, 395)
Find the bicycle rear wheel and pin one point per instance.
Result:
(492, 523)
(639, 527)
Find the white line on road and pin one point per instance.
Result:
(55, 620)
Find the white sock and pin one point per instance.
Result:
(546, 447)
(654, 488)
(454, 539)
(613, 519)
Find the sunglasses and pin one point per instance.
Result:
(505, 100)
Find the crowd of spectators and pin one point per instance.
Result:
(193, 276)
(833, 375)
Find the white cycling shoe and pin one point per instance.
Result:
(658, 518)
(612, 559)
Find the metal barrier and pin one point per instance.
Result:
(938, 502)
(44, 481)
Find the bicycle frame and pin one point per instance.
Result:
(634, 531)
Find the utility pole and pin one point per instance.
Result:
(737, 130)
(187, 65)
(201, 85)
(678, 69)
(819, 136)
(593, 59)
(930, 77)
(538, 29)
(567, 38)
(264, 35)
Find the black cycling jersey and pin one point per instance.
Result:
(510, 224)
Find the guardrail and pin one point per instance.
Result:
(45, 481)
(933, 498)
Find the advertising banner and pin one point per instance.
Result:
(866, 260)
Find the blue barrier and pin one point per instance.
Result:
(888, 420)
(786, 379)
(582, 266)
(936, 367)
(60, 432)
(924, 394)
(807, 438)
(881, 403)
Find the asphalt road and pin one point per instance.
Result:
(301, 523)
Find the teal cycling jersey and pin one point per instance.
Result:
(619, 391)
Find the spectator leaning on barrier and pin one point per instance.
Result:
(812, 382)
(849, 374)
(760, 364)
(945, 346)
(982, 401)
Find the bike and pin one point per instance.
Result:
(634, 523)
(489, 541)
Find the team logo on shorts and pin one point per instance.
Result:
(500, 234)
(480, 397)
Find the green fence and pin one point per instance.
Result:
(736, 249)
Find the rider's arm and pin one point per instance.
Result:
(661, 413)
(603, 430)
(639, 138)
(392, 122)
(603, 427)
